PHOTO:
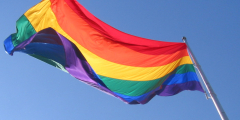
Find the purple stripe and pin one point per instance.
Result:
(169, 90)
(78, 67)
(76, 64)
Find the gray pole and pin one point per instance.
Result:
(213, 96)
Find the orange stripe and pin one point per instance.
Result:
(103, 47)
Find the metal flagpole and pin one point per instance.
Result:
(213, 96)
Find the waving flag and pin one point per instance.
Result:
(64, 34)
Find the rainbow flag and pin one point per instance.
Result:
(64, 34)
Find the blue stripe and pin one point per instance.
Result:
(49, 51)
(8, 45)
(181, 78)
(176, 79)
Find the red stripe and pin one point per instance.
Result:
(114, 34)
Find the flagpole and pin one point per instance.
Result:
(212, 94)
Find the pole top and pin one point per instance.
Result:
(184, 39)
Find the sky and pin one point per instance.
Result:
(33, 90)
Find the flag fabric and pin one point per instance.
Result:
(64, 34)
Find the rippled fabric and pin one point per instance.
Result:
(64, 34)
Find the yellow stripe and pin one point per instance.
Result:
(41, 16)
(123, 72)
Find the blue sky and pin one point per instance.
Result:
(33, 90)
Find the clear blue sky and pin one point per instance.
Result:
(33, 90)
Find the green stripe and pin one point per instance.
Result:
(136, 88)
(51, 62)
(24, 31)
